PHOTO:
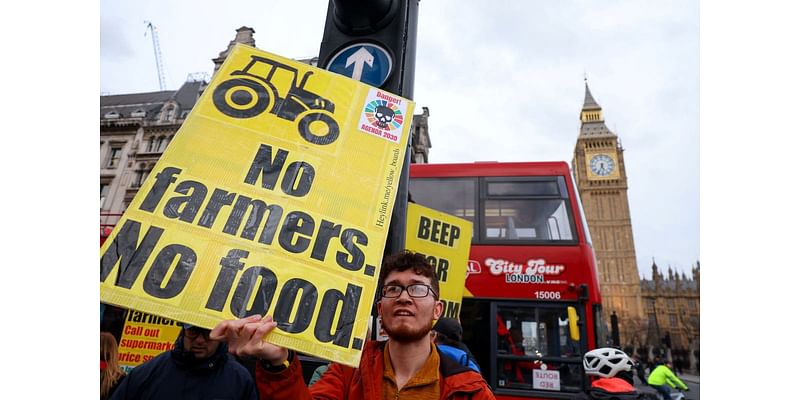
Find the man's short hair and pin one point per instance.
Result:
(409, 260)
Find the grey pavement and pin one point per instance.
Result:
(689, 378)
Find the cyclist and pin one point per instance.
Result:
(611, 371)
(662, 378)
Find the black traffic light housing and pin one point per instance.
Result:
(390, 24)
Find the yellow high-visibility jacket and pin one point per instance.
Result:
(661, 375)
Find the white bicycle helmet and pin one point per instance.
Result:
(606, 362)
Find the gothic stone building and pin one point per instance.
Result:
(599, 168)
(672, 306)
(647, 310)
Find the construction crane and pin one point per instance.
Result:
(157, 51)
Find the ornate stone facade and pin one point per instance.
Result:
(647, 310)
(135, 129)
(672, 306)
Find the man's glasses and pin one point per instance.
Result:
(194, 333)
(416, 290)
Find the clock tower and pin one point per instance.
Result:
(599, 168)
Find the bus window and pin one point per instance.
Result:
(582, 213)
(525, 188)
(532, 339)
(475, 321)
(534, 209)
(545, 220)
(452, 196)
(600, 327)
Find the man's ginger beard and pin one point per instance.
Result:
(408, 334)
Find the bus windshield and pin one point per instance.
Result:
(530, 337)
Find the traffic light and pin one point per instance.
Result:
(373, 41)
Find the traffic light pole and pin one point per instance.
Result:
(392, 26)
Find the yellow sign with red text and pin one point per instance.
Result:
(144, 337)
(445, 240)
(273, 198)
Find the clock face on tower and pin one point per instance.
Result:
(602, 165)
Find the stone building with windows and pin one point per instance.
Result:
(135, 129)
(672, 306)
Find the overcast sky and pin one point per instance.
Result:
(503, 80)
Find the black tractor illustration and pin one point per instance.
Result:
(251, 91)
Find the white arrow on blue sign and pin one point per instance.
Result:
(363, 62)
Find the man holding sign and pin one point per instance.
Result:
(408, 365)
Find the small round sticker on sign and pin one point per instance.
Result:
(382, 115)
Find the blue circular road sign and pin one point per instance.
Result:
(363, 62)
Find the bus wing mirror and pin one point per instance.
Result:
(572, 317)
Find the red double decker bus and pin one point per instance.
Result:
(531, 304)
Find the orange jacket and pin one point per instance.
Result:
(613, 385)
(343, 382)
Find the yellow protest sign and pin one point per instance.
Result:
(144, 337)
(273, 198)
(445, 240)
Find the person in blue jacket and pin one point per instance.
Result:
(197, 368)
(447, 336)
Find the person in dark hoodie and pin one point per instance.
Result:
(447, 336)
(197, 368)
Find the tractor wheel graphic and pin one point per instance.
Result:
(241, 98)
(312, 128)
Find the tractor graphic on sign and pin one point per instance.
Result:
(266, 84)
